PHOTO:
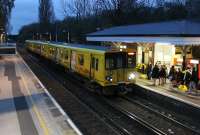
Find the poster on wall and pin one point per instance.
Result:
(164, 53)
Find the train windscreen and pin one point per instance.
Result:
(131, 60)
(120, 60)
(116, 60)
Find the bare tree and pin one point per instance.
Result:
(64, 4)
(78, 8)
(160, 3)
(46, 14)
(193, 8)
(117, 4)
(5, 11)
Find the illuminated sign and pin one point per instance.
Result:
(122, 47)
(131, 53)
(194, 61)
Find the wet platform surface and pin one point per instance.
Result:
(26, 107)
(166, 90)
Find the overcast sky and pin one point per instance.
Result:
(26, 12)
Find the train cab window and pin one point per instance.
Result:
(81, 59)
(119, 61)
(131, 60)
(109, 63)
(97, 64)
(115, 60)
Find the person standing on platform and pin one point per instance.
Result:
(172, 76)
(149, 71)
(180, 76)
(187, 76)
(165, 79)
(155, 74)
(162, 75)
(193, 81)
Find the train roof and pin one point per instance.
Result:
(68, 45)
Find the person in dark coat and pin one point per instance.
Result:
(149, 71)
(155, 74)
(180, 76)
(172, 76)
(162, 75)
(193, 80)
(187, 76)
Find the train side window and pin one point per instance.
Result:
(81, 59)
(66, 55)
(93, 62)
(97, 64)
(61, 54)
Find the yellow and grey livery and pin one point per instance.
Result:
(111, 69)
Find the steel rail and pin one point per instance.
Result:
(136, 118)
(160, 114)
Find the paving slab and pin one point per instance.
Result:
(26, 107)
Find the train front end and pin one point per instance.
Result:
(120, 70)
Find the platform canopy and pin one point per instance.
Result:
(183, 32)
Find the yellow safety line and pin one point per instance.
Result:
(39, 116)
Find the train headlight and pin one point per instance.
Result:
(109, 78)
(131, 76)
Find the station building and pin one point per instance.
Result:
(169, 43)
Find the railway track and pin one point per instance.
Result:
(114, 119)
(168, 117)
(119, 117)
(156, 120)
(85, 118)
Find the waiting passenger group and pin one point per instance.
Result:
(187, 78)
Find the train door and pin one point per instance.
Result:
(94, 67)
(73, 60)
(57, 56)
(120, 66)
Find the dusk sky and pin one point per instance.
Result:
(26, 12)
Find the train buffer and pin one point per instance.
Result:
(26, 107)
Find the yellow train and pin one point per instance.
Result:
(109, 69)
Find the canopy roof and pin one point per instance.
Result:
(176, 32)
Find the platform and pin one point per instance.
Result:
(26, 107)
(166, 90)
